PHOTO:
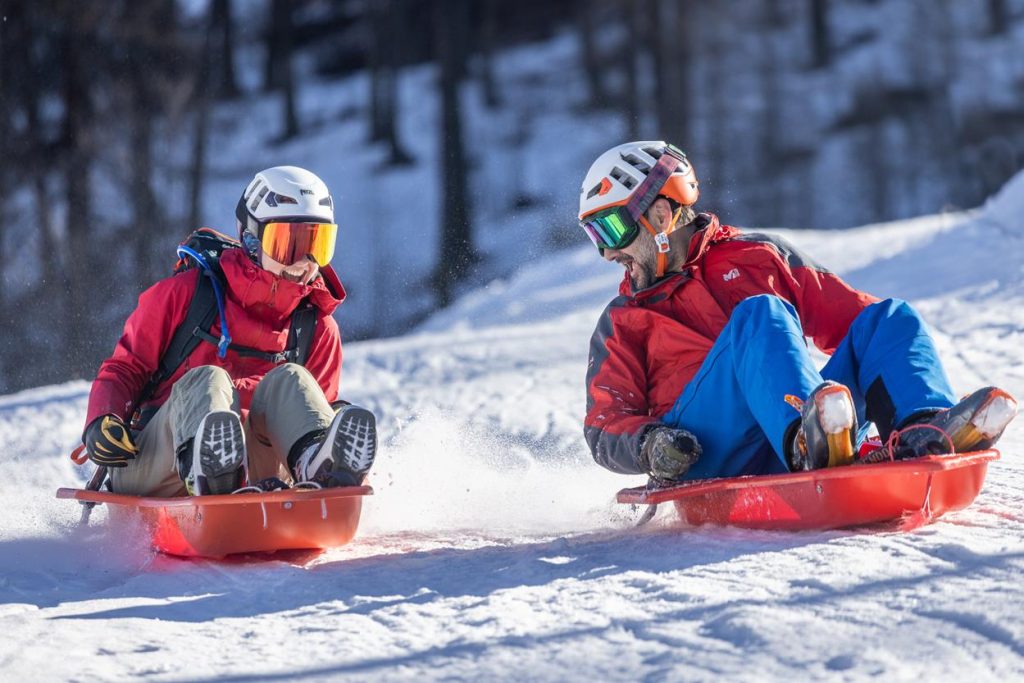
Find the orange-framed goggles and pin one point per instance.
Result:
(289, 243)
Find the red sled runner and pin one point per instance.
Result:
(912, 492)
(215, 526)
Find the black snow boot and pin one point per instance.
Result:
(826, 433)
(339, 456)
(214, 462)
(973, 424)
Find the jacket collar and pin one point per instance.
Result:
(265, 293)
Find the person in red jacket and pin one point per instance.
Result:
(233, 411)
(699, 368)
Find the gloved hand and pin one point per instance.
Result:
(109, 443)
(667, 453)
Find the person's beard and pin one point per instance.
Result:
(646, 262)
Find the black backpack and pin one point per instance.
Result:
(202, 250)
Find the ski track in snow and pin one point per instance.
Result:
(492, 548)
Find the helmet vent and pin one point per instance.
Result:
(594, 191)
(258, 198)
(654, 152)
(326, 201)
(273, 199)
(637, 163)
(623, 177)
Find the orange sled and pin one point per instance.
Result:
(912, 492)
(215, 526)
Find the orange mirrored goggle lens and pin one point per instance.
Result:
(289, 243)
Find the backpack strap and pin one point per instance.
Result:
(202, 311)
(300, 335)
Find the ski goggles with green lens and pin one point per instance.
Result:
(611, 228)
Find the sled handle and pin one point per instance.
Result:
(79, 456)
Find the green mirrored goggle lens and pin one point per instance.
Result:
(612, 230)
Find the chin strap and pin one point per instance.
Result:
(661, 239)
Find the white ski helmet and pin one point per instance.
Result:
(285, 194)
(616, 174)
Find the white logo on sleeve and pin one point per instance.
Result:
(731, 275)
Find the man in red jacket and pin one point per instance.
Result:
(700, 368)
(233, 411)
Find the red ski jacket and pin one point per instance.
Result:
(649, 344)
(258, 306)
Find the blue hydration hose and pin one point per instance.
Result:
(225, 335)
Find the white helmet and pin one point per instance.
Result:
(615, 176)
(284, 193)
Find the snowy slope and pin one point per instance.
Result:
(492, 549)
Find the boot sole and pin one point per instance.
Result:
(353, 438)
(986, 424)
(835, 417)
(219, 454)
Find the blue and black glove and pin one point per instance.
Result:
(668, 453)
(109, 443)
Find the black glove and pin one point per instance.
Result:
(109, 443)
(667, 453)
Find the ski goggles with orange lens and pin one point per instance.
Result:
(289, 243)
(611, 228)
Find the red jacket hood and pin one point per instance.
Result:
(271, 296)
(709, 231)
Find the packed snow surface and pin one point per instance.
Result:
(493, 549)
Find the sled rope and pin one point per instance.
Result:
(889, 449)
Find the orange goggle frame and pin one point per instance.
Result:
(289, 243)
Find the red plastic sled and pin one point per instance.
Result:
(215, 526)
(913, 492)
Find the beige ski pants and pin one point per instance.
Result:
(286, 405)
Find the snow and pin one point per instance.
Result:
(493, 550)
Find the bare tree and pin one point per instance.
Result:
(456, 252)
(284, 20)
(77, 65)
(227, 83)
(387, 19)
(998, 16)
(670, 37)
(201, 126)
(592, 64)
(821, 37)
(488, 36)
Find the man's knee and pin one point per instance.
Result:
(762, 306)
(286, 373)
(284, 380)
(202, 376)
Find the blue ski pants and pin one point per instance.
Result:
(735, 403)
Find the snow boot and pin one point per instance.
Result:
(973, 424)
(827, 430)
(214, 461)
(341, 455)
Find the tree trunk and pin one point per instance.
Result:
(456, 252)
(146, 221)
(632, 65)
(276, 55)
(227, 82)
(200, 134)
(287, 33)
(77, 137)
(488, 39)
(592, 66)
(670, 25)
(388, 28)
(821, 41)
(998, 16)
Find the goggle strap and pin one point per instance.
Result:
(652, 184)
